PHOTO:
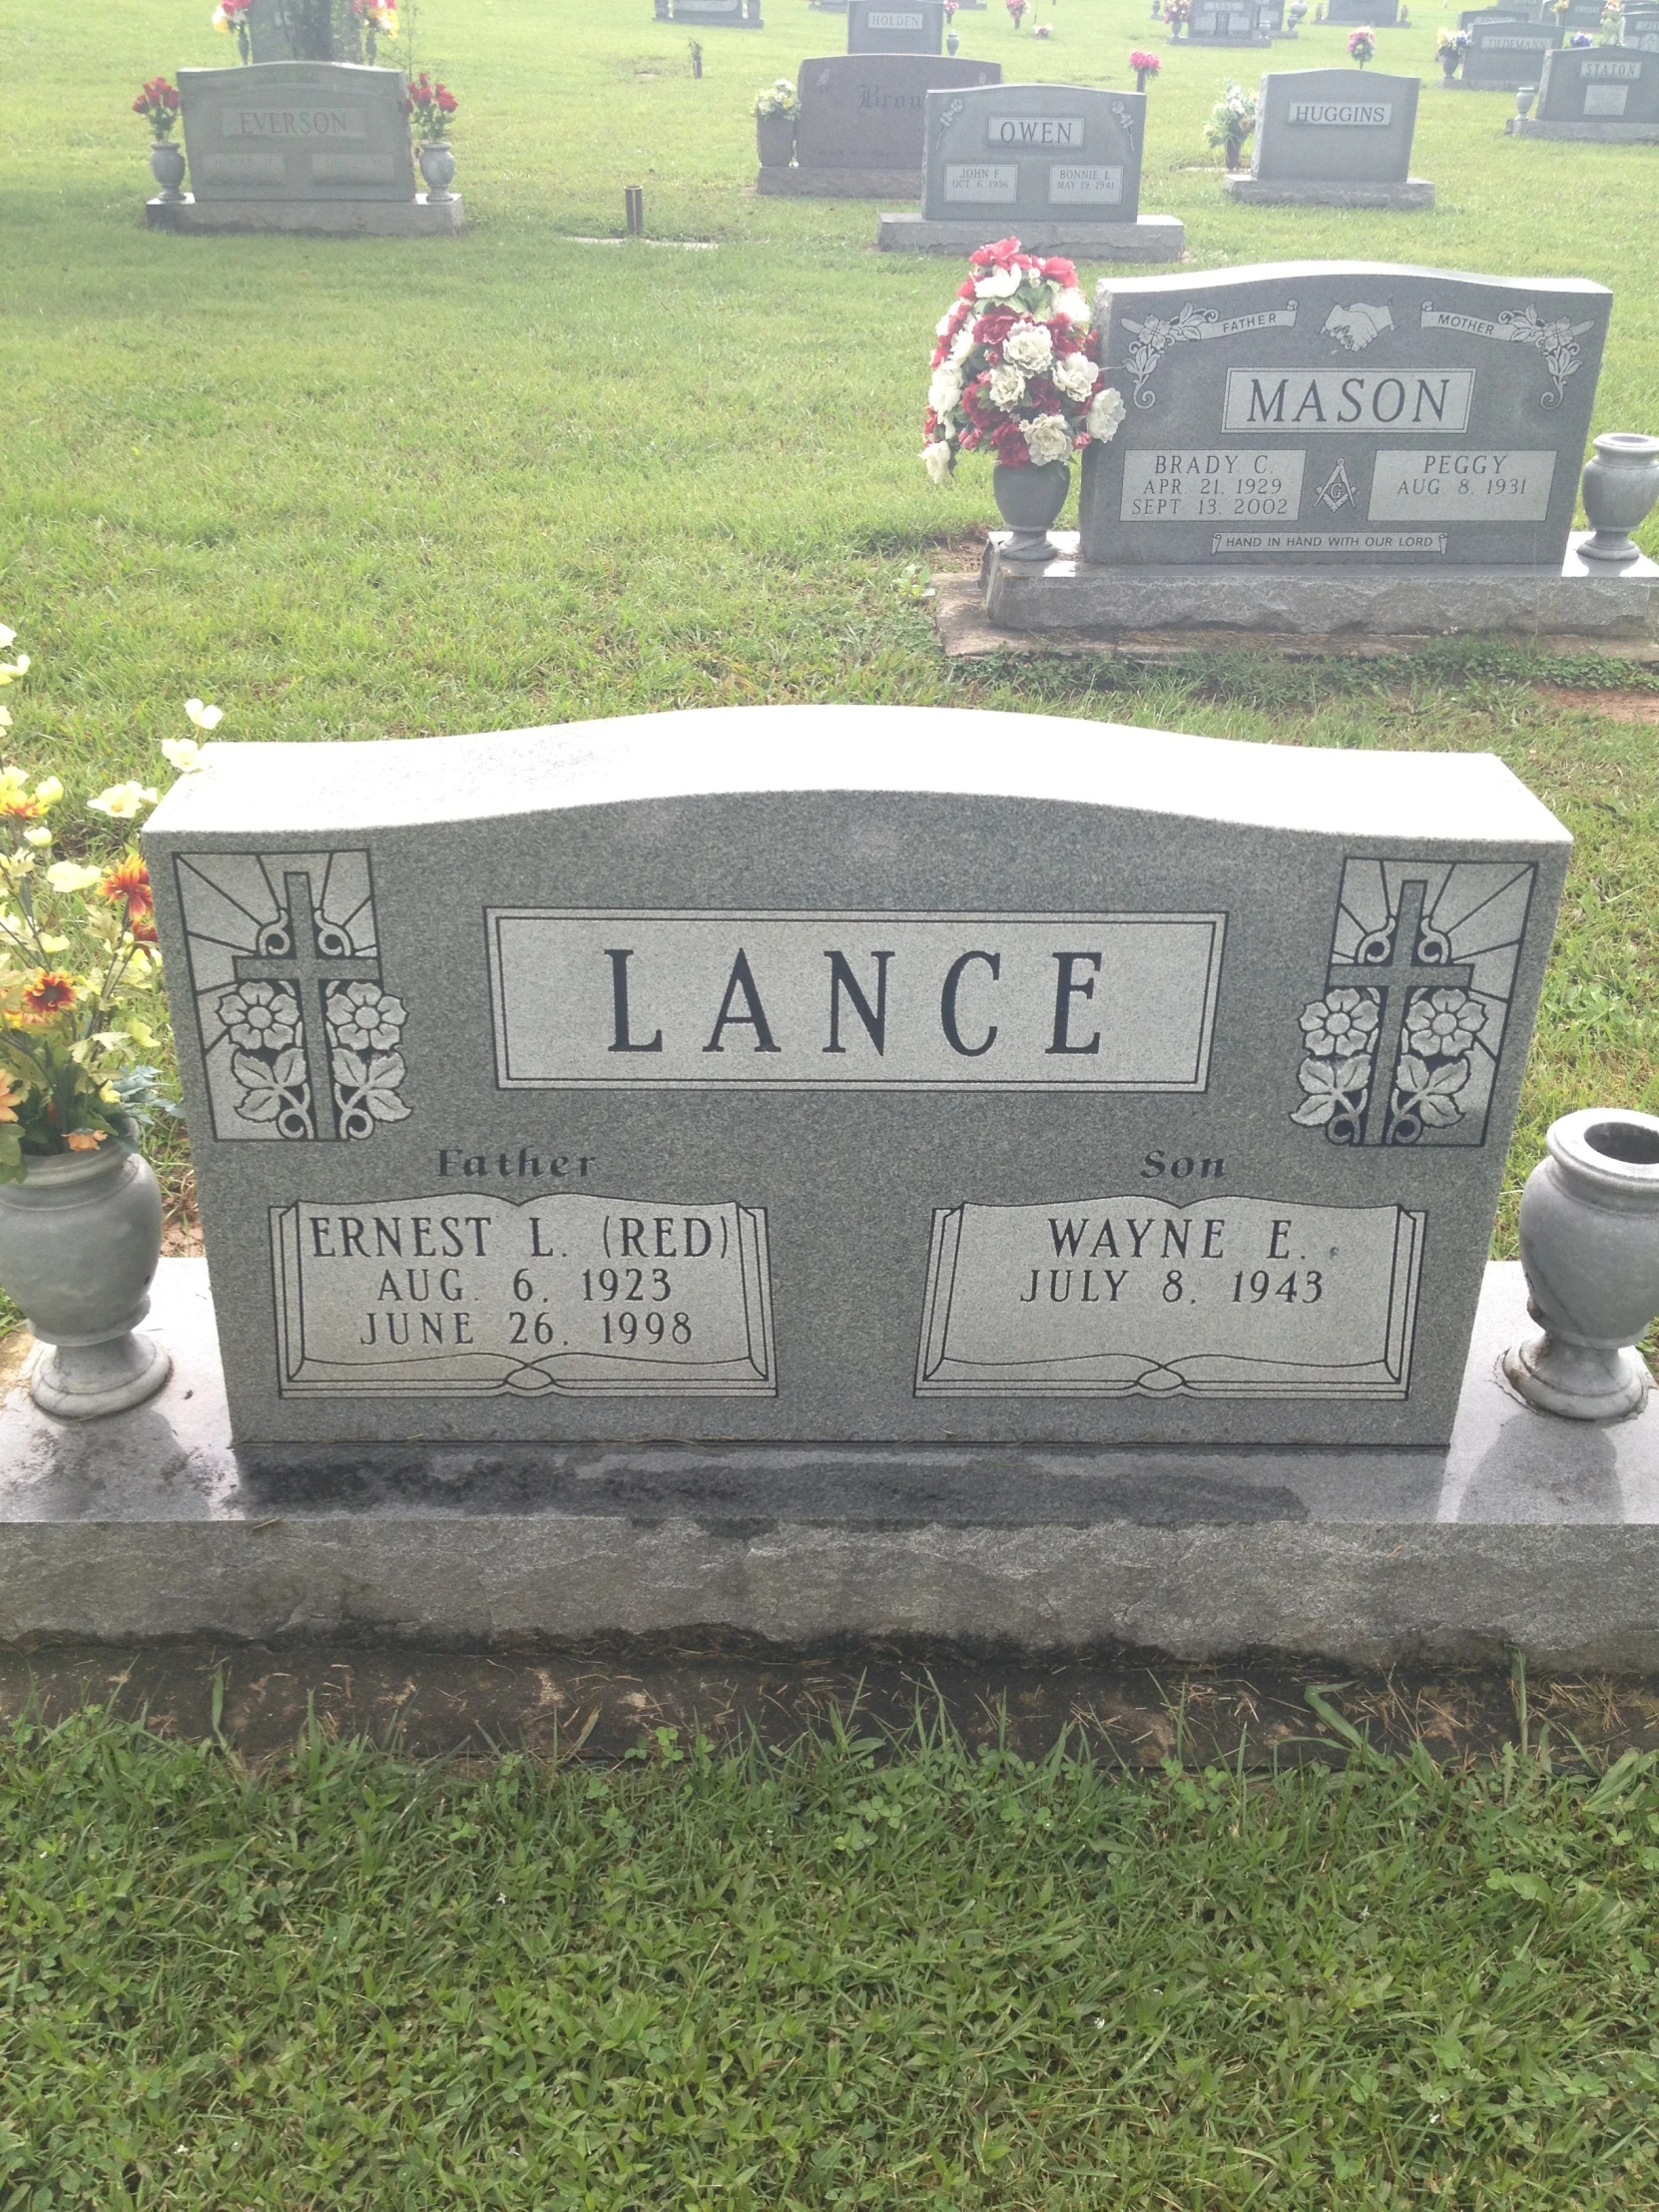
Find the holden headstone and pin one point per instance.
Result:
(861, 131)
(1337, 137)
(1060, 165)
(1600, 95)
(896, 27)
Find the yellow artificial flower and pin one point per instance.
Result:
(7, 637)
(142, 1035)
(122, 801)
(5, 719)
(183, 754)
(49, 791)
(204, 718)
(11, 670)
(38, 837)
(85, 1140)
(70, 875)
(50, 943)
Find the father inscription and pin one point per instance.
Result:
(851, 1074)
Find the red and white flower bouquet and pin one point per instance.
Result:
(1015, 366)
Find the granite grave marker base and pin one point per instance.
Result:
(1269, 192)
(1584, 602)
(1528, 1532)
(1152, 237)
(813, 181)
(422, 217)
(1584, 134)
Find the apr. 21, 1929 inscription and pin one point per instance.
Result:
(585, 1296)
(1225, 1298)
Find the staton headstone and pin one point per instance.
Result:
(300, 146)
(896, 27)
(1334, 138)
(1060, 165)
(851, 1074)
(1606, 95)
(1504, 56)
(860, 130)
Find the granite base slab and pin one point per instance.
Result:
(1586, 134)
(815, 183)
(422, 217)
(1069, 593)
(1154, 237)
(1265, 192)
(1527, 1531)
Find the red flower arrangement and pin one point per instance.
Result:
(431, 106)
(1015, 368)
(1017, 8)
(1144, 64)
(159, 102)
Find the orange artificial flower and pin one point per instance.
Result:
(129, 880)
(15, 807)
(140, 926)
(10, 1099)
(46, 994)
(85, 1140)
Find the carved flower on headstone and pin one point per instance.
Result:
(365, 1018)
(1344, 1022)
(261, 1016)
(1444, 1022)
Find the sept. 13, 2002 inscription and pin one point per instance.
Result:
(1225, 1298)
(586, 1296)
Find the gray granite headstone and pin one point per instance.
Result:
(896, 27)
(1376, 13)
(1014, 154)
(1599, 86)
(1227, 23)
(296, 131)
(1348, 413)
(729, 15)
(1348, 125)
(869, 111)
(1504, 56)
(848, 1074)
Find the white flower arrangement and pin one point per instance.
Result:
(778, 98)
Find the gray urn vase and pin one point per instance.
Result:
(1621, 483)
(1589, 1237)
(167, 165)
(775, 140)
(1524, 98)
(1028, 500)
(79, 1239)
(437, 166)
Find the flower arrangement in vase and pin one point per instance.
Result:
(1449, 49)
(1177, 12)
(1362, 44)
(776, 108)
(375, 20)
(233, 16)
(1231, 119)
(157, 103)
(1015, 370)
(1017, 8)
(429, 108)
(1144, 64)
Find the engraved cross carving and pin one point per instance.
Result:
(1395, 973)
(310, 966)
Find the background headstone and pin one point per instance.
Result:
(716, 15)
(848, 1075)
(1504, 56)
(1335, 137)
(1596, 93)
(1016, 155)
(862, 120)
(896, 27)
(1354, 12)
(1349, 413)
(1227, 23)
(296, 131)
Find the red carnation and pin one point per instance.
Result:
(446, 100)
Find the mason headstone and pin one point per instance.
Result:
(1501, 57)
(300, 146)
(861, 131)
(896, 27)
(851, 1074)
(1335, 138)
(716, 15)
(1060, 165)
(1337, 447)
(1228, 23)
(1601, 95)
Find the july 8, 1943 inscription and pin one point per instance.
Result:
(848, 1074)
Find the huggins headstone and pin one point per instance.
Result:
(860, 130)
(859, 1075)
(1337, 138)
(1060, 165)
(1606, 95)
(300, 146)
(1337, 447)
(1504, 56)
(896, 27)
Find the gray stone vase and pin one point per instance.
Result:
(1620, 486)
(1029, 500)
(79, 1239)
(1589, 1237)
(167, 165)
(775, 140)
(1524, 98)
(437, 166)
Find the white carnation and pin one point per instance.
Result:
(935, 458)
(1105, 415)
(1076, 375)
(997, 284)
(1072, 305)
(1047, 439)
(946, 392)
(1030, 347)
(962, 345)
(1005, 386)
(941, 327)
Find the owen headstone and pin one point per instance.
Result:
(850, 1074)
(1227, 23)
(896, 27)
(1602, 95)
(716, 15)
(1504, 56)
(1060, 165)
(300, 146)
(861, 131)
(1337, 138)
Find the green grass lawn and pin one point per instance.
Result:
(769, 1983)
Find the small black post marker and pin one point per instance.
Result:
(634, 201)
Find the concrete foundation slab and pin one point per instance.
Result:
(1069, 593)
(422, 217)
(1154, 237)
(1586, 134)
(813, 183)
(1529, 1531)
(1262, 191)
